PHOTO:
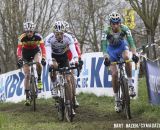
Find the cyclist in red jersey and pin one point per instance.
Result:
(30, 47)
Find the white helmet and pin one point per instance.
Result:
(115, 17)
(59, 26)
(29, 26)
(66, 24)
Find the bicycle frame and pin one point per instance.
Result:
(61, 78)
(65, 102)
(123, 88)
(33, 83)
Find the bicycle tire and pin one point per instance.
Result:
(60, 109)
(73, 91)
(125, 98)
(68, 105)
(33, 92)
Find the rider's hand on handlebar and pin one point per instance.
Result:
(107, 62)
(53, 65)
(43, 61)
(20, 63)
(80, 62)
(74, 61)
(135, 58)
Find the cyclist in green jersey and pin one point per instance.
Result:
(115, 43)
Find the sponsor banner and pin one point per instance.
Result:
(12, 86)
(94, 78)
(153, 81)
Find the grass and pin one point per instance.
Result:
(95, 113)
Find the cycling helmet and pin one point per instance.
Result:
(59, 26)
(66, 24)
(29, 26)
(115, 17)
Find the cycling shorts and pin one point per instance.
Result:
(115, 51)
(28, 54)
(62, 60)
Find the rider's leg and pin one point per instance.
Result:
(114, 55)
(115, 86)
(128, 68)
(69, 95)
(74, 73)
(114, 72)
(53, 75)
(37, 58)
(26, 70)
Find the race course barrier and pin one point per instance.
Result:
(94, 78)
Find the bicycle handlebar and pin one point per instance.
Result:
(64, 69)
(30, 63)
(121, 62)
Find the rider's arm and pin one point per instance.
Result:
(78, 49)
(19, 50)
(76, 43)
(19, 47)
(130, 39)
(73, 50)
(104, 42)
(48, 41)
(72, 46)
(43, 49)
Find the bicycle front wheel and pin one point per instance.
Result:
(60, 108)
(73, 91)
(125, 98)
(33, 92)
(68, 103)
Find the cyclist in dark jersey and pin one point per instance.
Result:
(30, 47)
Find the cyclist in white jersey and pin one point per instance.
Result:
(57, 45)
(77, 46)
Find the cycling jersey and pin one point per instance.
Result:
(59, 47)
(123, 33)
(69, 53)
(27, 43)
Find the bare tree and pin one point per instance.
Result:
(85, 18)
(12, 15)
(149, 11)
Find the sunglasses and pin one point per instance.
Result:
(29, 31)
(115, 23)
(58, 34)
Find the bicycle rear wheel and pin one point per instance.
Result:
(125, 98)
(33, 91)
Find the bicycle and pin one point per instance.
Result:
(65, 101)
(123, 92)
(33, 91)
(73, 81)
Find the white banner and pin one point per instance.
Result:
(94, 78)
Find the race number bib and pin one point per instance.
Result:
(103, 36)
(128, 33)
